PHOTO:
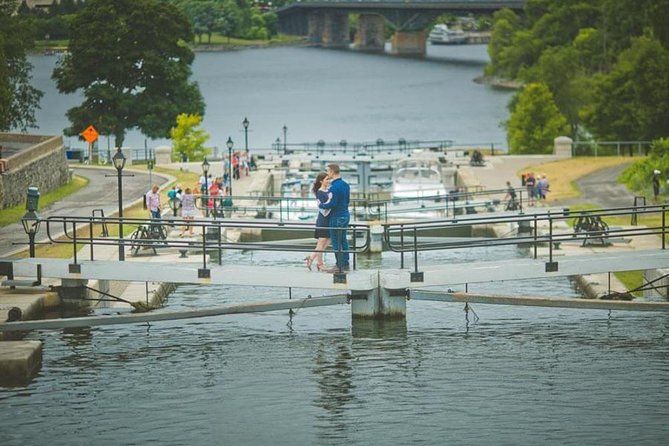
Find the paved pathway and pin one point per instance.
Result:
(99, 193)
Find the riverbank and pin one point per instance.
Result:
(498, 82)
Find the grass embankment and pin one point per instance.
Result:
(563, 175)
(14, 214)
(64, 251)
(218, 43)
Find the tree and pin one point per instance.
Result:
(131, 60)
(18, 99)
(535, 121)
(632, 102)
(187, 138)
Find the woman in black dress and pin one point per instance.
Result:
(322, 232)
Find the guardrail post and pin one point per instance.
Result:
(536, 241)
(90, 237)
(220, 250)
(416, 276)
(74, 268)
(664, 226)
(204, 273)
(402, 246)
(551, 266)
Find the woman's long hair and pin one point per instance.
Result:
(318, 182)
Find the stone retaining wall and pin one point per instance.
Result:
(43, 165)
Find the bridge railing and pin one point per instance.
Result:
(210, 236)
(587, 227)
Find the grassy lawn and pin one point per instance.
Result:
(14, 214)
(563, 174)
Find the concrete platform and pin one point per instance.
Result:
(19, 362)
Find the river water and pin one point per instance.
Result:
(329, 95)
(515, 376)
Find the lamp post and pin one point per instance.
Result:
(246, 123)
(30, 220)
(285, 131)
(119, 163)
(205, 172)
(229, 145)
(278, 145)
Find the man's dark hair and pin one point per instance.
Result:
(334, 168)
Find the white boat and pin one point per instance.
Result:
(443, 35)
(419, 177)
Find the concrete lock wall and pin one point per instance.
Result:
(43, 165)
(370, 34)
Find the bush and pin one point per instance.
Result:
(638, 176)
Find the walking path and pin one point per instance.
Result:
(100, 193)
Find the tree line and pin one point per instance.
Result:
(594, 70)
(245, 19)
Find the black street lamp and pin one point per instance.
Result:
(205, 173)
(30, 220)
(246, 123)
(278, 145)
(285, 131)
(119, 162)
(229, 145)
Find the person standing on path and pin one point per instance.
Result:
(656, 185)
(153, 202)
(339, 216)
(188, 211)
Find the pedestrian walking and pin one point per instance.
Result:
(153, 202)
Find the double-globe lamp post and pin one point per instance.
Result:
(119, 163)
(246, 123)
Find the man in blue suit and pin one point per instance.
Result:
(339, 216)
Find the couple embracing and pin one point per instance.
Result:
(333, 194)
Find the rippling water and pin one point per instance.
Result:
(514, 376)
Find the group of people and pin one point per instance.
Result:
(333, 195)
(183, 199)
(537, 187)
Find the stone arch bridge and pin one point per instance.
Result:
(325, 22)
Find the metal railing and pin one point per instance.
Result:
(210, 238)
(408, 237)
(285, 208)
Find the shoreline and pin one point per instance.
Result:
(498, 82)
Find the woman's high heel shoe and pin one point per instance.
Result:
(309, 261)
(320, 266)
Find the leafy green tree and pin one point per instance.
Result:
(187, 138)
(632, 102)
(271, 23)
(130, 59)
(535, 121)
(560, 70)
(18, 99)
(505, 25)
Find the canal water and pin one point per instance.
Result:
(502, 375)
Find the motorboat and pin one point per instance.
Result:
(419, 177)
(443, 35)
